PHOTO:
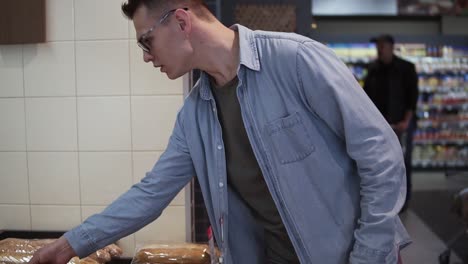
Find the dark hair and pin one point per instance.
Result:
(198, 6)
(383, 38)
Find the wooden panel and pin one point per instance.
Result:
(22, 21)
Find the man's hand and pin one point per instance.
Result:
(58, 252)
(401, 126)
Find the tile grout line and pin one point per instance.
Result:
(76, 115)
(94, 96)
(71, 205)
(26, 139)
(131, 117)
(84, 151)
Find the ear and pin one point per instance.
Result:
(184, 19)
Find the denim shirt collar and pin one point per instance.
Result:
(248, 57)
(247, 48)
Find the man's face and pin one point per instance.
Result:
(384, 51)
(162, 39)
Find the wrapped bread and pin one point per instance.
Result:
(106, 254)
(185, 253)
(18, 251)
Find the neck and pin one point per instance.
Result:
(216, 51)
(387, 60)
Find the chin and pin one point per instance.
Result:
(174, 75)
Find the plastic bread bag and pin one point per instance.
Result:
(105, 254)
(17, 251)
(176, 253)
(13, 250)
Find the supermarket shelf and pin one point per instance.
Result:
(440, 168)
(459, 106)
(458, 142)
(440, 141)
(364, 38)
(442, 125)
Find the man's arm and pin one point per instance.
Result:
(334, 95)
(139, 206)
(411, 98)
(403, 125)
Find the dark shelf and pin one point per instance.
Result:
(440, 168)
(441, 142)
(378, 17)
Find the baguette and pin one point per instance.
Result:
(170, 254)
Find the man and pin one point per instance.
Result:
(294, 161)
(392, 84)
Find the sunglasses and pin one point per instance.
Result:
(143, 39)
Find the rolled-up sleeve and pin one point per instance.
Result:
(143, 203)
(334, 95)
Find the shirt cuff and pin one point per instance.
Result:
(81, 242)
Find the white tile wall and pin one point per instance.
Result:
(147, 80)
(49, 69)
(101, 19)
(81, 119)
(15, 217)
(153, 119)
(14, 178)
(131, 32)
(60, 20)
(51, 124)
(54, 218)
(52, 175)
(104, 123)
(128, 245)
(12, 128)
(104, 176)
(102, 67)
(143, 161)
(11, 71)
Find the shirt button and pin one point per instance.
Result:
(221, 185)
(220, 147)
(214, 109)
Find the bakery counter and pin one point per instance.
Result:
(22, 234)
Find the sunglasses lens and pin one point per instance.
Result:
(143, 46)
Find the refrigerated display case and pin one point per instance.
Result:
(441, 138)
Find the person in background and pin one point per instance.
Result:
(392, 84)
(460, 206)
(293, 159)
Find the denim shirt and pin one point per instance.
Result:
(333, 165)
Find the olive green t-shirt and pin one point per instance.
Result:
(245, 177)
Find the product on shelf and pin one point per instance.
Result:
(441, 137)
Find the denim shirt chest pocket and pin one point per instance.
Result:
(289, 138)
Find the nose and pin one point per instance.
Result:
(147, 57)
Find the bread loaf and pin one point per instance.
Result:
(170, 254)
(18, 251)
(16, 245)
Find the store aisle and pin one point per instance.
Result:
(426, 245)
